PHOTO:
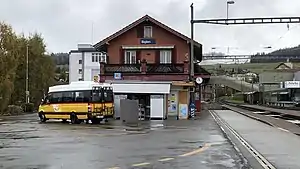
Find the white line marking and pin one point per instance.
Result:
(283, 129)
(165, 159)
(140, 164)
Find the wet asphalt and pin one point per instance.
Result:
(186, 144)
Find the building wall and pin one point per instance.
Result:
(161, 36)
(74, 66)
(297, 76)
(88, 67)
(269, 77)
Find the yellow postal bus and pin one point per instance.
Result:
(78, 101)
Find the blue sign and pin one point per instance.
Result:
(147, 41)
(117, 76)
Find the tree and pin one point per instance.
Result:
(13, 50)
(9, 55)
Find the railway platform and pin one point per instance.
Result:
(272, 147)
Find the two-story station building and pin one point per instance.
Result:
(149, 61)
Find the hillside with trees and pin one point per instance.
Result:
(41, 68)
(282, 55)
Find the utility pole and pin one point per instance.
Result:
(192, 89)
(27, 91)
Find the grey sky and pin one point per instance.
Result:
(64, 23)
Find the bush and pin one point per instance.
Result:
(14, 110)
(28, 107)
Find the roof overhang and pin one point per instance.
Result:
(147, 47)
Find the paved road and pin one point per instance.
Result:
(25, 143)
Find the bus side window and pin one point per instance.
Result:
(67, 97)
(82, 96)
(56, 97)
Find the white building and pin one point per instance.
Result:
(84, 63)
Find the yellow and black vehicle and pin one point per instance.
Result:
(78, 102)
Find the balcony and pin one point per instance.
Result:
(144, 68)
(124, 68)
(165, 68)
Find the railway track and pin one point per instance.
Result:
(283, 116)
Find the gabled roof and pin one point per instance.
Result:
(286, 65)
(139, 21)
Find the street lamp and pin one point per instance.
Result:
(27, 91)
(228, 3)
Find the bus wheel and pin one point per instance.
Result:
(42, 117)
(74, 119)
(64, 121)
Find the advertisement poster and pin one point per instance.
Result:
(183, 111)
(172, 105)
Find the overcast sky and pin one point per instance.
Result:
(65, 23)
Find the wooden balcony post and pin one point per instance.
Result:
(144, 66)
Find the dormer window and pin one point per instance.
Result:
(147, 31)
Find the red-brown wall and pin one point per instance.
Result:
(161, 36)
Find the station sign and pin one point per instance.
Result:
(147, 41)
(291, 84)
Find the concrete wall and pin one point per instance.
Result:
(271, 77)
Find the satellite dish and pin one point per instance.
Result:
(199, 80)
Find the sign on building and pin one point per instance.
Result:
(291, 84)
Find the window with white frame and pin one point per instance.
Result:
(130, 57)
(147, 31)
(98, 57)
(165, 56)
(80, 71)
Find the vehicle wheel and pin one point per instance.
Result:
(74, 119)
(64, 121)
(105, 120)
(42, 117)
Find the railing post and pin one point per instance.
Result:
(143, 66)
(102, 72)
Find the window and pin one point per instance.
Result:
(82, 96)
(98, 57)
(80, 79)
(148, 32)
(108, 95)
(165, 56)
(67, 97)
(80, 71)
(130, 57)
(80, 61)
(56, 97)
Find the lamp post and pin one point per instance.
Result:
(27, 78)
(227, 9)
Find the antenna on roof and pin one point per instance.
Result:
(92, 33)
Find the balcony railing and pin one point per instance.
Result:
(165, 68)
(124, 68)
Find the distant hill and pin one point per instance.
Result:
(282, 55)
(287, 51)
